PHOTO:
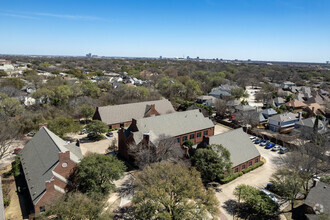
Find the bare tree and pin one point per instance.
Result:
(220, 106)
(248, 118)
(9, 130)
(166, 149)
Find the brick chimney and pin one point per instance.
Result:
(43, 125)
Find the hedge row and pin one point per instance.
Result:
(254, 166)
(234, 176)
(231, 178)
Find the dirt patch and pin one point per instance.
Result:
(219, 129)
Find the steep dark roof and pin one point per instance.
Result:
(319, 196)
(40, 156)
(114, 114)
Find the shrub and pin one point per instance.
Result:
(231, 178)
(6, 202)
(15, 168)
(254, 166)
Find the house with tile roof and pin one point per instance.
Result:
(47, 162)
(188, 125)
(296, 105)
(117, 116)
(243, 153)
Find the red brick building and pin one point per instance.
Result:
(188, 125)
(47, 163)
(243, 153)
(117, 116)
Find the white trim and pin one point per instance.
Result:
(59, 189)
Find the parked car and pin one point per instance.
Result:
(263, 143)
(253, 138)
(31, 134)
(259, 140)
(17, 150)
(231, 118)
(83, 131)
(269, 145)
(276, 148)
(283, 150)
(270, 195)
(109, 134)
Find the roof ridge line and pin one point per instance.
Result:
(46, 129)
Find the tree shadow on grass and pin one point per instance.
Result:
(230, 206)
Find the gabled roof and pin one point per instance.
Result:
(114, 114)
(309, 122)
(245, 108)
(295, 104)
(319, 196)
(238, 143)
(40, 156)
(316, 108)
(284, 117)
(171, 125)
(269, 111)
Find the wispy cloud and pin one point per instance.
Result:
(36, 15)
(17, 15)
(64, 16)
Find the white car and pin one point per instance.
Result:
(270, 195)
(276, 148)
(252, 138)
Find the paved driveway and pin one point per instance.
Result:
(257, 178)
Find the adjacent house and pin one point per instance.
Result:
(296, 105)
(189, 125)
(117, 116)
(47, 162)
(277, 102)
(206, 100)
(307, 126)
(314, 109)
(268, 112)
(319, 99)
(283, 123)
(287, 84)
(222, 91)
(243, 153)
(318, 202)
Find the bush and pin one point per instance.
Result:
(6, 202)
(15, 168)
(254, 166)
(231, 178)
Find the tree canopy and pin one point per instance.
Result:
(213, 162)
(96, 173)
(172, 191)
(63, 125)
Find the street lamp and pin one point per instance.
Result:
(239, 199)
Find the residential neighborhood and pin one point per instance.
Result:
(72, 134)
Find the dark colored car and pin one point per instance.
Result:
(269, 145)
(109, 134)
(259, 140)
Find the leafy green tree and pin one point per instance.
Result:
(63, 125)
(259, 203)
(288, 184)
(212, 162)
(96, 173)
(76, 206)
(326, 179)
(11, 107)
(14, 82)
(239, 93)
(43, 95)
(169, 191)
(86, 111)
(96, 127)
(62, 94)
(90, 89)
(192, 89)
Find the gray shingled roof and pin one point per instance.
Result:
(284, 117)
(40, 156)
(238, 143)
(114, 114)
(309, 122)
(171, 125)
(268, 112)
(320, 194)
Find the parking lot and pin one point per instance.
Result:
(257, 178)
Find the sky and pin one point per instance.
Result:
(275, 30)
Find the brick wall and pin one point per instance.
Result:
(247, 164)
(195, 139)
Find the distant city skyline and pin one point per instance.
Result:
(277, 30)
